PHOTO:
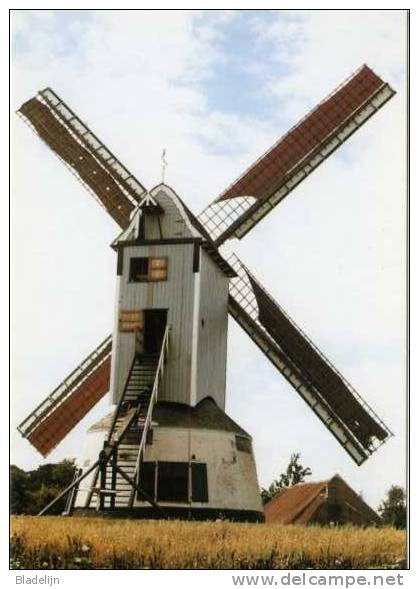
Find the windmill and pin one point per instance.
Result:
(168, 448)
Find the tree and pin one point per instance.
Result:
(294, 474)
(33, 490)
(19, 489)
(393, 507)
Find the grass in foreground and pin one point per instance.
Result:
(98, 543)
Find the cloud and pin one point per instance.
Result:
(329, 43)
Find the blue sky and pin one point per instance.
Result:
(216, 88)
(244, 61)
(67, 23)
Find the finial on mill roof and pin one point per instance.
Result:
(163, 165)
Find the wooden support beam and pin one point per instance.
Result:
(138, 489)
(68, 489)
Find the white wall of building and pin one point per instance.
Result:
(212, 319)
(89, 453)
(232, 477)
(196, 303)
(176, 295)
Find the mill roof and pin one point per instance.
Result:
(164, 194)
(205, 415)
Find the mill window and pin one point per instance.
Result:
(199, 482)
(243, 444)
(148, 479)
(138, 270)
(174, 481)
(131, 321)
(152, 269)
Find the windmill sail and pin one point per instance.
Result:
(354, 424)
(117, 190)
(66, 406)
(274, 175)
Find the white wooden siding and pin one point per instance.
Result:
(174, 222)
(212, 334)
(197, 356)
(232, 477)
(176, 295)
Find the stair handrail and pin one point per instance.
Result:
(152, 401)
(121, 400)
(154, 392)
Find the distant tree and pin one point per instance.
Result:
(33, 490)
(19, 489)
(43, 495)
(393, 507)
(294, 474)
(59, 474)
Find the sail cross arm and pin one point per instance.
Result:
(297, 380)
(68, 404)
(337, 393)
(300, 151)
(86, 166)
(134, 190)
(335, 402)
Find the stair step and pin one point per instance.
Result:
(135, 403)
(126, 444)
(121, 485)
(127, 456)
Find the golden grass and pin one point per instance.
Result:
(57, 542)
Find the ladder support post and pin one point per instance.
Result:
(68, 489)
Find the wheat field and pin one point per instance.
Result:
(97, 543)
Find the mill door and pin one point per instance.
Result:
(154, 325)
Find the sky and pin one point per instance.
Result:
(216, 89)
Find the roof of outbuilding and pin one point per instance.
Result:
(289, 505)
(300, 503)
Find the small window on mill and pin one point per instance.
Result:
(243, 444)
(148, 269)
(131, 320)
(138, 270)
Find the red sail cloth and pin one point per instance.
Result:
(70, 412)
(267, 172)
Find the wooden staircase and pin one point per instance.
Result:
(121, 456)
(138, 395)
(116, 472)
